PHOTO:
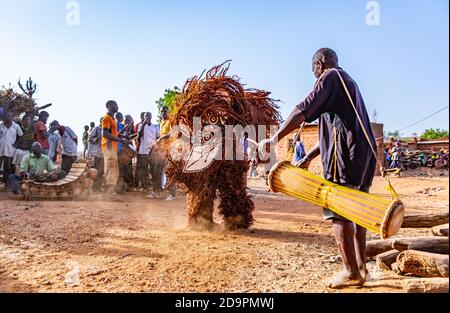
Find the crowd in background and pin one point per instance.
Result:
(29, 149)
(120, 149)
(123, 154)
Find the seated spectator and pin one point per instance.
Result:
(35, 166)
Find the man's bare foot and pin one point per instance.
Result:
(364, 273)
(346, 279)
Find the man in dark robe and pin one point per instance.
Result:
(352, 164)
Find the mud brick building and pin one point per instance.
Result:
(428, 146)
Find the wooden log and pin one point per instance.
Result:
(394, 171)
(414, 285)
(401, 244)
(386, 259)
(432, 246)
(425, 220)
(376, 247)
(441, 230)
(426, 285)
(421, 264)
(427, 244)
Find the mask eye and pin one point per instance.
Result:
(213, 119)
(207, 136)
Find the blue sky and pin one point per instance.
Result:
(131, 51)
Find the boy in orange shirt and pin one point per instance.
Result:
(110, 142)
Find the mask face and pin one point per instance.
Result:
(204, 154)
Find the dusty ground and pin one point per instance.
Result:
(140, 245)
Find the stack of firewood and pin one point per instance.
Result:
(19, 103)
(426, 257)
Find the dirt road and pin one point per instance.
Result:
(141, 245)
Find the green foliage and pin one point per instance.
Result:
(168, 99)
(434, 134)
(394, 134)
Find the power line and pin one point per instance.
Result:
(425, 118)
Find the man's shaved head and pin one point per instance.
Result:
(323, 59)
(36, 145)
(43, 116)
(119, 117)
(327, 56)
(36, 148)
(110, 103)
(112, 107)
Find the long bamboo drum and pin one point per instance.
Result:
(380, 215)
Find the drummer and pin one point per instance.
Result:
(125, 170)
(352, 164)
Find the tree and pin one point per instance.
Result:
(434, 134)
(168, 98)
(394, 134)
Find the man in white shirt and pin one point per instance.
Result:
(148, 135)
(69, 142)
(9, 131)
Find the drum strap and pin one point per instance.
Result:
(389, 185)
(335, 155)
